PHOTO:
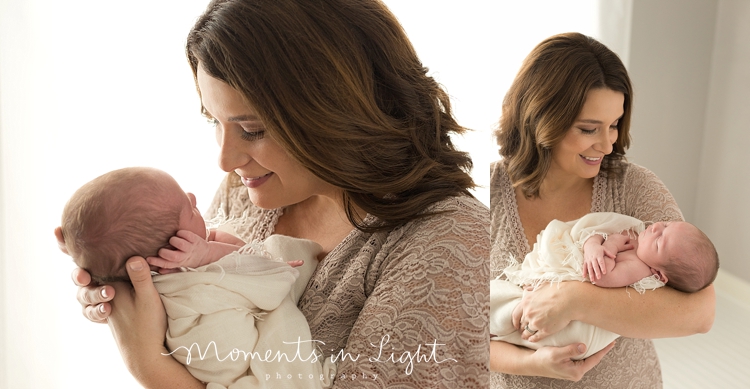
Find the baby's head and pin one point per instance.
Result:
(680, 254)
(123, 213)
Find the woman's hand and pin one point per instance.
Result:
(551, 362)
(94, 299)
(138, 320)
(559, 364)
(544, 311)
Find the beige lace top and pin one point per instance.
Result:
(633, 363)
(409, 307)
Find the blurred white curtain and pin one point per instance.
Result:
(89, 86)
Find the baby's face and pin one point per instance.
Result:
(190, 217)
(660, 241)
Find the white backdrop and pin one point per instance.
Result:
(89, 86)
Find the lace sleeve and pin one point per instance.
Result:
(647, 198)
(424, 323)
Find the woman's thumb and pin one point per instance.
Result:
(138, 271)
(576, 350)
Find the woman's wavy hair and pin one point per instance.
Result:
(545, 99)
(339, 86)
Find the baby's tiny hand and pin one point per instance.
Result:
(593, 262)
(190, 250)
(295, 263)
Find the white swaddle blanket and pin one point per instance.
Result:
(558, 256)
(235, 323)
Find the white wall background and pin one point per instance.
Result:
(690, 65)
(89, 86)
(724, 171)
(670, 64)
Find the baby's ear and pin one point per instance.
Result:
(61, 240)
(660, 274)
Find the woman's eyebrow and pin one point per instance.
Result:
(593, 121)
(243, 118)
(589, 121)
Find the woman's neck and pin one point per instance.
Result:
(561, 197)
(559, 184)
(319, 218)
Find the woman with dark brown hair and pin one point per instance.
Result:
(331, 130)
(563, 135)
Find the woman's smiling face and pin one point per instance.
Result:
(273, 178)
(592, 135)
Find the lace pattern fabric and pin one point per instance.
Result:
(633, 363)
(387, 298)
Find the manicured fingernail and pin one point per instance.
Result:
(104, 293)
(101, 308)
(136, 265)
(581, 348)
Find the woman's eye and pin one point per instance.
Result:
(253, 134)
(587, 131)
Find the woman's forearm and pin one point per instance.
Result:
(659, 313)
(510, 359)
(163, 372)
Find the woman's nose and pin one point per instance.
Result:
(231, 156)
(607, 140)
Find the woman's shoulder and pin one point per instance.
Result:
(639, 192)
(629, 176)
(495, 166)
(457, 226)
(458, 210)
(498, 175)
(468, 204)
(631, 173)
(500, 186)
(634, 173)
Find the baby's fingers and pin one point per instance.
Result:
(609, 253)
(162, 262)
(594, 272)
(601, 268)
(588, 271)
(179, 243)
(190, 236)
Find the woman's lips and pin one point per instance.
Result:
(591, 160)
(255, 182)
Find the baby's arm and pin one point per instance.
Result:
(628, 269)
(224, 237)
(597, 258)
(599, 255)
(191, 250)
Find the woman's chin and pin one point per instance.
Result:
(262, 201)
